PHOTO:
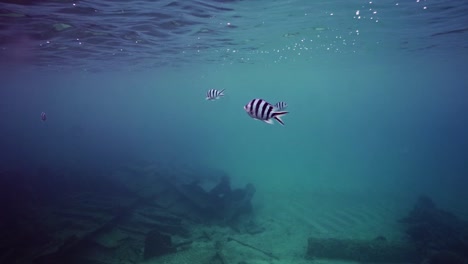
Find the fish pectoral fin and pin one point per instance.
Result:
(269, 121)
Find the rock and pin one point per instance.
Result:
(433, 229)
(157, 244)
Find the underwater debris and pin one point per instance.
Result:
(94, 218)
(439, 236)
(71, 220)
(269, 254)
(220, 205)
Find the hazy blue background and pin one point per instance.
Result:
(375, 107)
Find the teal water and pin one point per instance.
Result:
(377, 98)
(388, 123)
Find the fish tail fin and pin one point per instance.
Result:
(278, 115)
(221, 93)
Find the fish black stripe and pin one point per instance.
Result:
(265, 111)
(270, 111)
(256, 107)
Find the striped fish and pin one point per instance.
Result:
(281, 105)
(262, 110)
(213, 94)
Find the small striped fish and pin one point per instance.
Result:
(262, 110)
(213, 94)
(281, 105)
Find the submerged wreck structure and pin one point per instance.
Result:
(133, 214)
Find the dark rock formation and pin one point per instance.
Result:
(157, 244)
(439, 236)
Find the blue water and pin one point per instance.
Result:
(377, 91)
